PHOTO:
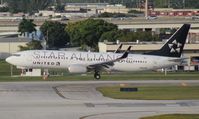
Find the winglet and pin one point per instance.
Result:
(175, 45)
(118, 49)
(125, 55)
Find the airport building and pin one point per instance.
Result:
(72, 10)
(11, 45)
(96, 7)
(191, 51)
(76, 7)
(118, 8)
(174, 12)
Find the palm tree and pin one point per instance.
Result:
(26, 25)
(28, 6)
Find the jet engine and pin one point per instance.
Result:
(77, 69)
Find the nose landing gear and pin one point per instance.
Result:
(97, 75)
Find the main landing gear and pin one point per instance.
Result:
(97, 75)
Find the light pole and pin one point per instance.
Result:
(11, 67)
(46, 40)
(146, 9)
(169, 4)
(184, 3)
(45, 72)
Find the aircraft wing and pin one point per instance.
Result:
(105, 65)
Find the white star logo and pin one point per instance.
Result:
(175, 47)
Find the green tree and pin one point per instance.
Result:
(115, 15)
(33, 45)
(59, 8)
(88, 32)
(112, 36)
(13, 6)
(27, 6)
(135, 12)
(26, 25)
(55, 34)
(140, 35)
(4, 9)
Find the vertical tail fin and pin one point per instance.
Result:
(174, 46)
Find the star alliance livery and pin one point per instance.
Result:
(82, 62)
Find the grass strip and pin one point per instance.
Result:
(153, 93)
(174, 116)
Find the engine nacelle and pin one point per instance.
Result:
(77, 69)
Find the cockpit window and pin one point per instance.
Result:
(16, 55)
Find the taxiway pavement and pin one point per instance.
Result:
(79, 99)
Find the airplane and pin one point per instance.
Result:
(82, 62)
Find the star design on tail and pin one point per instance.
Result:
(175, 47)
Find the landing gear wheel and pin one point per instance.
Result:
(97, 75)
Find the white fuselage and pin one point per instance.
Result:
(64, 59)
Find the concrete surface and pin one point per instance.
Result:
(79, 99)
